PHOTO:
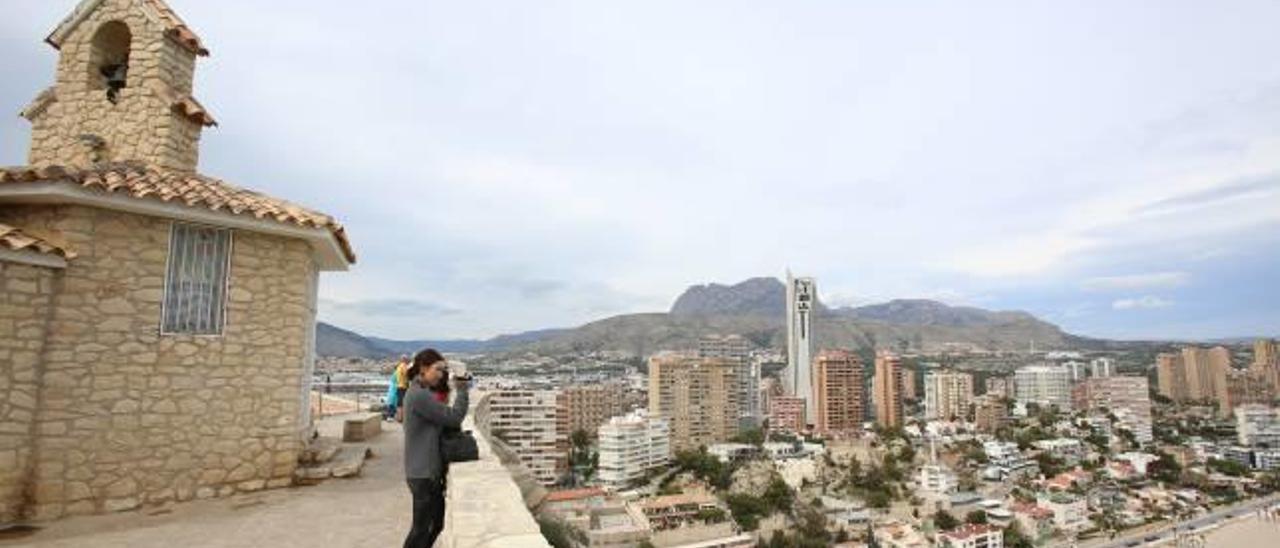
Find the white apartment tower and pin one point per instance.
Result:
(802, 299)
(631, 446)
(527, 421)
(1102, 367)
(1044, 385)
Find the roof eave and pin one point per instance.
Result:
(329, 252)
(33, 258)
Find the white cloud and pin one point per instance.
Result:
(1141, 303)
(1152, 280)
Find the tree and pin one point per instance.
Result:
(976, 516)
(1015, 538)
(945, 521)
(1165, 468)
(751, 436)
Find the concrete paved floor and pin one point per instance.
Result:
(371, 510)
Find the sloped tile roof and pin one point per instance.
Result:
(193, 190)
(15, 239)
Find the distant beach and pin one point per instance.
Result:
(1246, 533)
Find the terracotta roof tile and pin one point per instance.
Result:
(15, 239)
(191, 109)
(193, 190)
(175, 28)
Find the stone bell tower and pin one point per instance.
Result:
(123, 89)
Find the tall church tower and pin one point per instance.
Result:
(122, 90)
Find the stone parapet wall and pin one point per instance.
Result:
(484, 506)
(25, 292)
(128, 417)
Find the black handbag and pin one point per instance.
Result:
(459, 446)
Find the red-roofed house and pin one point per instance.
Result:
(972, 535)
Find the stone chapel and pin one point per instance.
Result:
(156, 324)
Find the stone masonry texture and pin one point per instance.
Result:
(101, 413)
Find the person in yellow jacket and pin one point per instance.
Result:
(402, 385)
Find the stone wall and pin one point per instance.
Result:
(129, 417)
(24, 308)
(141, 124)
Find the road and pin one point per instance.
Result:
(1167, 532)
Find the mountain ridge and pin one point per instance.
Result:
(754, 308)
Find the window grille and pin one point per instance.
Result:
(195, 294)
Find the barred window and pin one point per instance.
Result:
(196, 287)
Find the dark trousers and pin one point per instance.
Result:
(428, 512)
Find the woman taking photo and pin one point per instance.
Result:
(425, 418)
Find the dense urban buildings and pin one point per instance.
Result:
(947, 395)
(631, 446)
(841, 401)
(527, 421)
(1200, 375)
(697, 396)
(1045, 385)
(886, 389)
(802, 303)
(737, 349)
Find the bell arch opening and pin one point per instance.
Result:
(109, 58)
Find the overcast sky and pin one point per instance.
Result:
(1113, 167)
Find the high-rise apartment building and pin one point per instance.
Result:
(886, 389)
(737, 349)
(1044, 385)
(989, 413)
(1245, 387)
(1265, 352)
(909, 390)
(947, 395)
(802, 306)
(1127, 398)
(841, 402)
(1171, 377)
(1258, 425)
(786, 414)
(1206, 372)
(527, 421)
(631, 446)
(1075, 369)
(697, 396)
(586, 407)
(1000, 387)
(1102, 367)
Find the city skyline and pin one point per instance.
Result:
(1123, 186)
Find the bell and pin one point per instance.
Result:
(115, 75)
